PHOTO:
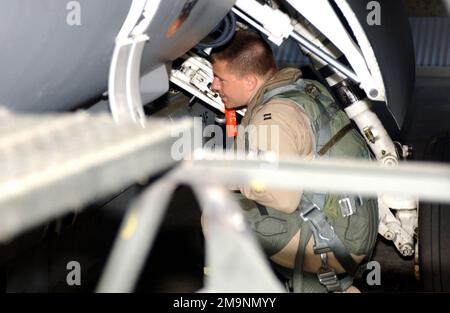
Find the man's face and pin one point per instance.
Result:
(233, 90)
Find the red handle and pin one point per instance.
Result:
(230, 115)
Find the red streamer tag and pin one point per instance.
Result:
(230, 115)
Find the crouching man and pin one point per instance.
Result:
(316, 241)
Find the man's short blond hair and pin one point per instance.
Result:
(246, 53)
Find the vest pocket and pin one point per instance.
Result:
(362, 226)
(272, 233)
(270, 226)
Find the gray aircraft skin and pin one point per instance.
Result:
(49, 64)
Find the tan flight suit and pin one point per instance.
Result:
(295, 139)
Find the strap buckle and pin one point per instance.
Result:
(329, 280)
(347, 207)
(327, 276)
(322, 231)
(304, 213)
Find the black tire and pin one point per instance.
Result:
(434, 229)
(434, 246)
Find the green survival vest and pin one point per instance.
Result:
(334, 138)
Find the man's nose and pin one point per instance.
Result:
(215, 86)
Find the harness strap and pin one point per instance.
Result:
(338, 136)
(326, 239)
(311, 212)
(297, 278)
(262, 209)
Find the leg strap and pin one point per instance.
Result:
(326, 240)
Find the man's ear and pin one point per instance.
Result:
(251, 82)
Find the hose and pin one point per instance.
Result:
(229, 27)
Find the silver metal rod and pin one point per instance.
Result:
(228, 235)
(135, 239)
(429, 182)
(305, 43)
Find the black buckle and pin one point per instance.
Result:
(320, 250)
(304, 214)
(327, 275)
(329, 279)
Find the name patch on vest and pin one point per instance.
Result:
(267, 116)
